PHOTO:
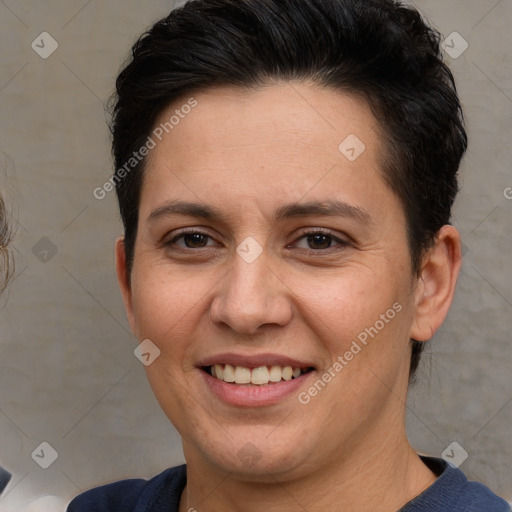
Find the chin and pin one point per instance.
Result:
(262, 460)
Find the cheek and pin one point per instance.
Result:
(345, 302)
(166, 308)
(360, 316)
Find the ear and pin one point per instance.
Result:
(124, 283)
(436, 284)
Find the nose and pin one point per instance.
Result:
(250, 296)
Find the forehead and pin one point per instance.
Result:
(282, 114)
(281, 142)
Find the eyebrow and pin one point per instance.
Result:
(329, 208)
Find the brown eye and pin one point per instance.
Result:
(318, 241)
(195, 240)
(191, 240)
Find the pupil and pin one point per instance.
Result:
(313, 239)
(194, 240)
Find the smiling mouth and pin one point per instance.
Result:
(260, 376)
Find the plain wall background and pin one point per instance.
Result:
(68, 375)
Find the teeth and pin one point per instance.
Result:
(229, 373)
(275, 373)
(219, 371)
(257, 376)
(242, 375)
(287, 373)
(260, 375)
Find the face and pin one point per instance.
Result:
(294, 255)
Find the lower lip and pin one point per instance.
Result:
(246, 395)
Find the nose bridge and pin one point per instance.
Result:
(251, 295)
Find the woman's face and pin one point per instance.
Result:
(264, 244)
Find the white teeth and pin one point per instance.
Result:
(287, 373)
(260, 375)
(229, 373)
(219, 371)
(242, 375)
(257, 376)
(275, 373)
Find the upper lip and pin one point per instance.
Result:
(254, 361)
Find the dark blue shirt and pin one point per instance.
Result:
(5, 476)
(451, 492)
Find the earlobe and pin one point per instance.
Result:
(123, 281)
(436, 284)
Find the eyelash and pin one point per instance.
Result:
(307, 233)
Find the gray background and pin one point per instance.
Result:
(68, 375)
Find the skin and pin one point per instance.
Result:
(248, 153)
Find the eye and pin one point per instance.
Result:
(313, 241)
(317, 240)
(191, 240)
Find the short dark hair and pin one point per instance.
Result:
(380, 50)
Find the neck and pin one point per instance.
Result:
(373, 479)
